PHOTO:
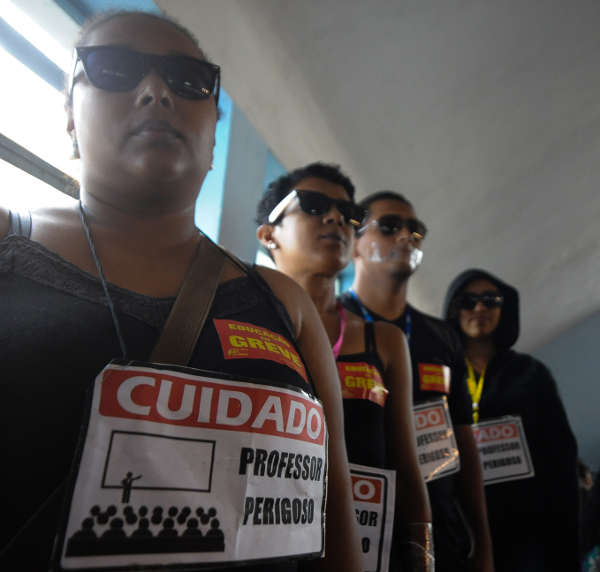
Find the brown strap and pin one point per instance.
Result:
(192, 305)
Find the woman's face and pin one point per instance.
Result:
(313, 243)
(481, 321)
(147, 136)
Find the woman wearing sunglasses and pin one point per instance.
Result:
(173, 468)
(527, 449)
(307, 222)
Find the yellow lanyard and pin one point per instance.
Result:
(475, 388)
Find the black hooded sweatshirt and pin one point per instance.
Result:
(534, 521)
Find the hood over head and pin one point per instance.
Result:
(507, 332)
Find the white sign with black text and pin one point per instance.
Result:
(437, 452)
(181, 467)
(503, 450)
(374, 492)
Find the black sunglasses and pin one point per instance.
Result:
(468, 300)
(116, 68)
(317, 204)
(391, 224)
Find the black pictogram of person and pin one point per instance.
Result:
(215, 536)
(115, 529)
(183, 515)
(168, 528)
(143, 529)
(192, 528)
(127, 483)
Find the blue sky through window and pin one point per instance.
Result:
(210, 200)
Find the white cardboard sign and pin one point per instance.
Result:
(181, 469)
(503, 450)
(437, 452)
(374, 492)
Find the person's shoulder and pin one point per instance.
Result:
(389, 339)
(387, 330)
(520, 360)
(279, 281)
(434, 326)
(418, 315)
(289, 292)
(4, 222)
(527, 369)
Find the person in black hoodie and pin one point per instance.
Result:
(533, 520)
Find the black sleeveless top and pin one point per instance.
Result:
(363, 393)
(56, 334)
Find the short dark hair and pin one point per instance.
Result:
(383, 196)
(280, 187)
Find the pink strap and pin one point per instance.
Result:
(338, 344)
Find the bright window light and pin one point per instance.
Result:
(20, 190)
(264, 259)
(36, 35)
(33, 116)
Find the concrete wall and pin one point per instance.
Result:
(573, 359)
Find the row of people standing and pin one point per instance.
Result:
(311, 239)
(306, 223)
(102, 278)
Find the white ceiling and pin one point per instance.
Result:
(486, 114)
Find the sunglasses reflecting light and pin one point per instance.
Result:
(468, 300)
(391, 224)
(116, 68)
(318, 204)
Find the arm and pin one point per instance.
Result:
(342, 541)
(470, 490)
(412, 501)
(412, 510)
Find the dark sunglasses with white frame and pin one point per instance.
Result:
(317, 204)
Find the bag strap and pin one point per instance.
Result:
(192, 306)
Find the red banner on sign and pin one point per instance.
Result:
(496, 432)
(165, 397)
(434, 377)
(366, 489)
(242, 340)
(362, 381)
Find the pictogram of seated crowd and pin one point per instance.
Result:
(106, 532)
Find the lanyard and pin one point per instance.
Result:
(475, 388)
(368, 318)
(109, 300)
(338, 344)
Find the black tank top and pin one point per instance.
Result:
(363, 417)
(56, 334)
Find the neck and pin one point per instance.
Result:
(479, 351)
(384, 295)
(142, 225)
(320, 287)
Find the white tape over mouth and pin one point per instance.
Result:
(395, 253)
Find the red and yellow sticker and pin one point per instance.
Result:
(361, 381)
(434, 377)
(242, 340)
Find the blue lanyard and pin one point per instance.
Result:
(368, 318)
